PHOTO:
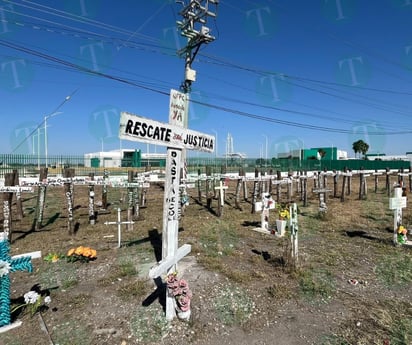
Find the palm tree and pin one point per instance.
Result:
(360, 146)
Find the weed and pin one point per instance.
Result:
(71, 333)
(149, 324)
(279, 291)
(133, 289)
(61, 274)
(395, 269)
(332, 340)
(315, 283)
(232, 304)
(127, 267)
(402, 332)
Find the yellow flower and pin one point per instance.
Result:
(402, 230)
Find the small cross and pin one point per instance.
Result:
(397, 203)
(119, 226)
(221, 188)
(10, 264)
(264, 206)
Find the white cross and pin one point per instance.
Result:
(265, 205)
(177, 139)
(397, 203)
(119, 226)
(221, 188)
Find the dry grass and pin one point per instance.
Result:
(353, 241)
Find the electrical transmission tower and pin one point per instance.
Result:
(193, 26)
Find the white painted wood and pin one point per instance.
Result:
(33, 255)
(13, 325)
(264, 206)
(221, 188)
(137, 128)
(15, 189)
(396, 203)
(119, 224)
(177, 138)
(164, 266)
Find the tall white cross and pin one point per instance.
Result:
(177, 139)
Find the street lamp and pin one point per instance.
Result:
(266, 149)
(216, 147)
(45, 132)
(54, 113)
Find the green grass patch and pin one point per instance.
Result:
(332, 340)
(316, 284)
(149, 325)
(232, 304)
(71, 333)
(58, 274)
(395, 270)
(135, 289)
(402, 332)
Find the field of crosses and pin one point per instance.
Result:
(336, 270)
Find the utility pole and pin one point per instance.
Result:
(193, 27)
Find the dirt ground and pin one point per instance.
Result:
(244, 290)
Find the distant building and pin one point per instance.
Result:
(124, 158)
(384, 157)
(331, 153)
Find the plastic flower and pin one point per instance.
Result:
(284, 214)
(84, 254)
(183, 302)
(4, 268)
(402, 230)
(34, 302)
(31, 297)
(179, 289)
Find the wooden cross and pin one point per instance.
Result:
(322, 200)
(176, 139)
(264, 206)
(221, 199)
(119, 226)
(293, 211)
(10, 264)
(397, 203)
(7, 205)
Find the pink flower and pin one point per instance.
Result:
(183, 302)
(183, 283)
(176, 292)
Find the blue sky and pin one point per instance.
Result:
(280, 75)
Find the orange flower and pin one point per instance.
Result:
(70, 252)
(79, 250)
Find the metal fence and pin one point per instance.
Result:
(29, 165)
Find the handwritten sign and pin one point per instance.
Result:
(178, 108)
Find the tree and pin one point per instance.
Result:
(360, 146)
(322, 153)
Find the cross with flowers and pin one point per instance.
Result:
(10, 264)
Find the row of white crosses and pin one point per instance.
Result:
(177, 139)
